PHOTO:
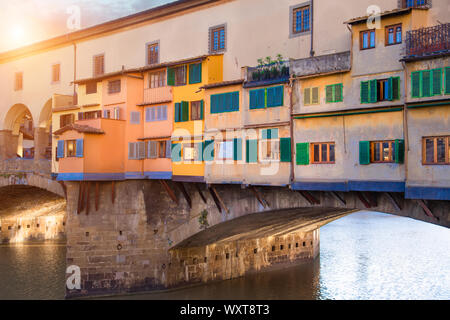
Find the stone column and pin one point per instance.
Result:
(40, 143)
(8, 144)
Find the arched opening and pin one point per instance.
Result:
(19, 122)
(43, 134)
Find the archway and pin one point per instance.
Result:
(19, 123)
(43, 133)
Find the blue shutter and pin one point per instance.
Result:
(80, 147)
(202, 106)
(261, 98)
(214, 104)
(60, 153)
(176, 152)
(252, 151)
(228, 102)
(200, 151)
(235, 101)
(253, 99)
(275, 96)
(208, 150)
(177, 112)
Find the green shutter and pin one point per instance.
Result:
(285, 149)
(208, 150)
(364, 92)
(253, 99)
(257, 99)
(307, 96)
(390, 88)
(214, 104)
(176, 152)
(195, 73)
(302, 154)
(237, 149)
(447, 80)
(235, 101)
(399, 151)
(373, 92)
(338, 96)
(202, 107)
(170, 77)
(329, 94)
(364, 152)
(436, 82)
(426, 83)
(251, 151)
(266, 134)
(415, 84)
(177, 112)
(262, 98)
(275, 96)
(396, 88)
(184, 111)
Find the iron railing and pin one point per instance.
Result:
(428, 41)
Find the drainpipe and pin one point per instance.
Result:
(291, 126)
(74, 71)
(311, 53)
(405, 121)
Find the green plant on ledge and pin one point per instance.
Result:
(203, 220)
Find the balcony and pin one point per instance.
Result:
(267, 74)
(157, 95)
(426, 42)
(321, 65)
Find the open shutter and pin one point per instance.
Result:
(302, 154)
(399, 151)
(184, 111)
(177, 112)
(141, 150)
(208, 150)
(285, 149)
(364, 91)
(396, 88)
(80, 147)
(176, 152)
(170, 77)
(252, 151)
(131, 150)
(237, 149)
(437, 82)
(426, 83)
(415, 84)
(307, 96)
(329, 94)
(235, 101)
(200, 150)
(202, 107)
(373, 91)
(364, 152)
(389, 89)
(447, 80)
(60, 151)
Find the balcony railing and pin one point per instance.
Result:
(158, 95)
(277, 71)
(428, 41)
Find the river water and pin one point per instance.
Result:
(362, 256)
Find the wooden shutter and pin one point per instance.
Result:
(195, 73)
(395, 88)
(170, 77)
(131, 150)
(315, 95)
(214, 107)
(141, 150)
(399, 151)
(184, 111)
(177, 112)
(152, 150)
(253, 99)
(285, 149)
(237, 149)
(208, 150)
(329, 94)
(202, 107)
(389, 89)
(373, 91)
(307, 96)
(80, 147)
(235, 101)
(364, 152)
(426, 83)
(364, 92)
(278, 96)
(60, 149)
(262, 95)
(252, 151)
(302, 154)
(338, 97)
(176, 152)
(415, 84)
(447, 80)
(437, 82)
(168, 149)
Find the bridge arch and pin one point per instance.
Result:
(33, 180)
(19, 124)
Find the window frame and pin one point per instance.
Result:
(161, 81)
(391, 151)
(92, 83)
(446, 151)
(311, 152)
(218, 147)
(74, 143)
(198, 104)
(110, 86)
(302, 8)
(361, 39)
(386, 34)
(211, 38)
(58, 80)
(94, 69)
(148, 56)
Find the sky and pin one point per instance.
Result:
(27, 21)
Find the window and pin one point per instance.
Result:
(66, 119)
(91, 87)
(414, 3)
(225, 102)
(158, 149)
(153, 53)
(393, 35)
(269, 145)
(447, 80)
(152, 149)
(225, 150)
(427, 83)
(195, 73)
(182, 111)
(382, 151)
(176, 76)
(56, 72)
(436, 150)
(107, 114)
(71, 148)
(367, 39)
(136, 150)
(18, 81)
(301, 19)
(158, 113)
(197, 110)
(334, 93)
(323, 153)
(311, 96)
(135, 117)
(90, 115)
(380, 90)
(217, 39)
(114, 86)
(157, 79)
(266, 98)
(190, 152)
(99, 65)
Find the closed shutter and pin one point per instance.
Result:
(208, 150)
(80, 147)
(447, 80)
(437, 82)
(152, 149)
(214, 108)
(373, 91)
(329, 94)
(176, 152)
(131, 150)
(141, 150)
(184, 111)
(338, 97)
(315, 95)
(199, 148)
(168, 149)
(285, 149)
(271, 97)
(237, 149)
(302, 154)
(60, 149)
(364, 152)
(235, 101)
(364, 91)
(170, 77)
(415, 84)
(228, 102)
(252, 151)
(80, 115)
(396, 88)
(426, 83)
(262, 98)
(307, 96)
(399, 151)
(253, 99)
(195, 73)
(177, 112)
(222, 102)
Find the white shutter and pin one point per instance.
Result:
(141, 150)
(164, 117)
(147, 115)
(131, 150)
(168, 149)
